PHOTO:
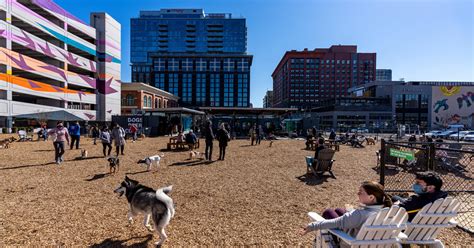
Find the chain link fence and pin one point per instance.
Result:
(453, 162)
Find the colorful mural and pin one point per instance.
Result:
(452, 105)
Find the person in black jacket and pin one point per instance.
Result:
(427, 188)
(209, 136)
(223, 137)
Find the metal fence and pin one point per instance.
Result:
(453, 162)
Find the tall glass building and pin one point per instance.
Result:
(202, 58)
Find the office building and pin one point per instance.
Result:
(54, 66)
(201, 58)
(268, 99)
(302, 78)
(383, 75)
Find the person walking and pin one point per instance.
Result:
(209, 136)
(118, 135)
(223, 137)
(95, 133)
(133, 130)
(60, 136)
(106, 140)
(75, 132)
(259, 134)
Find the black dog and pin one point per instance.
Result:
(114, 163)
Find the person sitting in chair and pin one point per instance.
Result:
(372, 198)
(320, 146)
(427, 188)
(355, 142)
(191, 139)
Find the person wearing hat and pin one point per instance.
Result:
(427, 188)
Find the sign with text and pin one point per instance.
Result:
(402, 154)
(135, 120)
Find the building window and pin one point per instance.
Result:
(243, 65)
(215, 90)
(130, 100)
(173, 65)
(160, 81)
(201, 65)
(228, 65)
(173, 84)
(145, 101)
(187, 64)
(228, 90)
(160, 65)
(156, 102)
(242, 90)
(200, 88)
(149, 102)
(187, 87)
(215, 65)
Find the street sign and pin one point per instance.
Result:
(402, 154)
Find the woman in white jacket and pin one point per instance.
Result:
(118, 136)
(372, 198)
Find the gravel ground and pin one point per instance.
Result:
(258, 196)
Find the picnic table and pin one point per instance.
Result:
(174, 144)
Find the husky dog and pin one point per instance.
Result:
(114, 163)
(196, 154)
(84, 154)
(149, 161)
(155, 204)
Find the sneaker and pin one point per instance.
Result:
(61, 159)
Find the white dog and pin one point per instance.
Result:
(196, 154)
(149, 161)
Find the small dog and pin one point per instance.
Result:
(152, 203)
(142, 136)
(84, 154)
(370, 141)
(149, 161)
(114, 164)
(271, 143)
(196, 154)
(5, 144)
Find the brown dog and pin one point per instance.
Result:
(370, 141)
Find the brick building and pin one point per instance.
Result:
(139, 97)
(303, 78)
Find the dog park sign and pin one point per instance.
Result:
(402, 154)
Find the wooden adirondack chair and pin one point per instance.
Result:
(324, 162)
(379, 230)
(431, 219)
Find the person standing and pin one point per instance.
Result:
(118, 135)
(95, 133)
(75, 132)
(209, 135)
(60, 136)
(253, 133)
(259, 134)
(133, 130)
(106, 140)
(223, 137)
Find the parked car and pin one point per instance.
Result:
(433, 134)
(462, 134)
(445, 134)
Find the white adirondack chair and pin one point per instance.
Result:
(379, 230)
(431, 219)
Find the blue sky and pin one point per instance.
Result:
(420, 40)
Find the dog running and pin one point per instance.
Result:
(154, 204)
(114, 164)
(149, 161)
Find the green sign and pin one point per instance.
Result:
(402, 154)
